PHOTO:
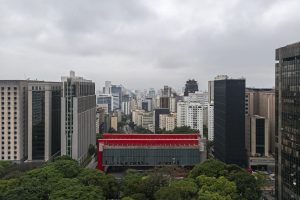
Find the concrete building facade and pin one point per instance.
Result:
(78, 115)
(44, 120)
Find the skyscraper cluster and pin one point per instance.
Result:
(42, 119)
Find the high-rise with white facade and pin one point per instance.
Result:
(190, 114)
(210, 121)
(78, 115)
(195, 116)
(13, 121)
(181, 113)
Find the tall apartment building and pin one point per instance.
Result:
(229, 121)
(190, 114)
(210, 91)
(181, 113)
(167, 122)
(13, 121)
(78, 105)
(287, 135)
(44, 120)
(210, 121)
(106, 99)
(195, 117)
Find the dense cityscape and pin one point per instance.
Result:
(205, 137)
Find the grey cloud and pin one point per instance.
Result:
(143, 43)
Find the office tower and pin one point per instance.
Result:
(117, 92)
(287, 135)
(116, 102)
(44, 120)
(156, 114)
(262, 102)
(150, 104)
(167, 91)
(181, 113)
(107, 88)
(167, 122)
(172, 104)
(126, 108)
(191, 86)
(210, 121)
(13, 120)
(105, 99)
(259, 137)
(210, 91)
(145, 105)
(164, 102)
(229, 121)
(151, 93)
(78, 106)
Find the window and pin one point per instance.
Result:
(15, 88)
(8, 157)
(15, 157)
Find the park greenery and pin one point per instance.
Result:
(65, 179)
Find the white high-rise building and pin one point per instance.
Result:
(195, 116)
(78, 115)
(210, 122)
(13, 99)
(190, 114)
(181, 113)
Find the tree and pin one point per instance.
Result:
(68, 189)
(211, 196)
(131, 184)
(69, 168)
(220, 185)
(247, 185)
(209, 167)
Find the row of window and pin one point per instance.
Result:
(8, 103)
(8, 157)
(15, 142)
(15, 147)
(15, 137)
(15, 93)
(8, 98)
(9, 132)
(8, 88)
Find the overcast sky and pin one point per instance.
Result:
(143, 44)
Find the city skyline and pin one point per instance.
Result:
(121, 41)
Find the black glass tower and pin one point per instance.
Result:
(287, 137)
(229, 121)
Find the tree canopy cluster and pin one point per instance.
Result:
(61, 179)
(65, 179)
(211, 180)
